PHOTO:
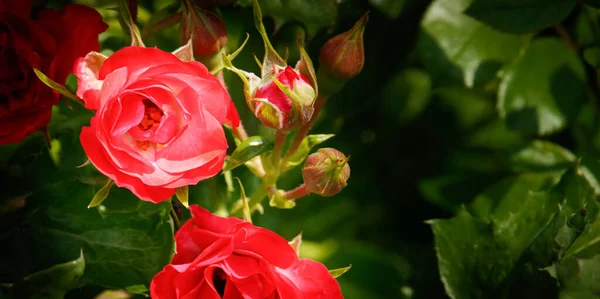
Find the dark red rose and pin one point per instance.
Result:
(51, 41)
(232, 259)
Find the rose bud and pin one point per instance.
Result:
(343, 56)
(205, 28)
(278, 109)
(282, 97)
(326, 172)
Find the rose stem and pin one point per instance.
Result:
(319, 103)
(280, 136)
(299, 192)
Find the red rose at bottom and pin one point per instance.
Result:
(233, 259)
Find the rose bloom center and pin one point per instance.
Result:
(151, 120)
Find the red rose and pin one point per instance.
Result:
(158, 122)
(51, 41)
(233, 259)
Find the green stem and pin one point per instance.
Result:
(280, 137)
(258, 195)
(319, 103)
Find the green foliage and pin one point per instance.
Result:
(544, 89)
(459, 49)
(520, 16)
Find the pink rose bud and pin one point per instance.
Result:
(282, 104)
(343, 56)
(206, 29)
(326, 172)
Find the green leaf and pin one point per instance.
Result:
(541, 156)
(523, 222)
(456, 48)
(57, 87)
(579, 278)
(182, 194)
(390, 8)
(126, 241)
(520, 16)
(544, 90)
(308, 143)
(592, 56)
(477, 251)
(53, 282)
(406, 95)
(102, 194)
(587, 241)
(137, 289)
(247, 150)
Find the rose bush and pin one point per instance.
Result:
(158, 122)
(233, 259)
(50, 41)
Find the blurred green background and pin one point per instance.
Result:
(429, 123)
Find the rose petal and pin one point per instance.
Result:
(162, 285)
(86, 70)
(312, 279)
(192, 177)
(137, 60)
(202, 141)
(97, 155)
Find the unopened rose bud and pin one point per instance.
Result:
(206, 29)
(343, 56)
(286, 102)
(326, 172)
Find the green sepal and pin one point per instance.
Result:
(303, 150)
(339, 272)
(244, 200)
(134, 31)
(302, 107)
(183, 195)
(250, 80)
(57, 87)
(277, 200)
(305, 65)
(229, 57)
(296, 243)
(269, 114)
(185, 53)
(102, 194)
(248, 149)
(272, 58)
